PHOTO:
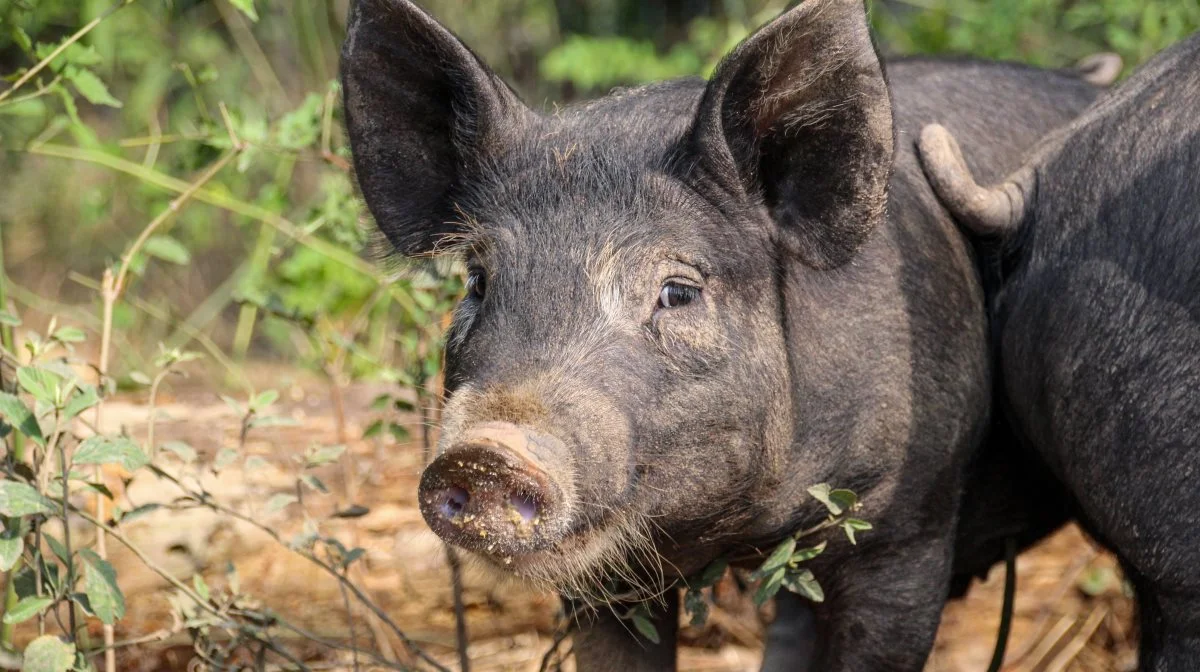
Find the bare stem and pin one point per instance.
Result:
(110, 291)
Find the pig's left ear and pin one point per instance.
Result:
(799, 117)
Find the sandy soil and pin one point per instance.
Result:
(1072, 613)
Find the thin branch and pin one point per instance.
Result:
(207, 501)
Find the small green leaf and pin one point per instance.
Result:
(314, 483)
(11, 545)
(323, 455)
(233, 404)
(852, 525)
(17, 414)
(86, 397)
(18, 499)
(280, 501)
(712, 574)
(846, 500)
(201, 586)
(769, 586)
(1095, 581)
(100, 488)
(137, 512)
(821, 492)
(224, 458)
(246, 7)
(90, 86)
(273, 421)
(806, 554)
(168, 249)
(181, 450)
(373, 430)
(253, 463)
(48, 653)
(778, 558)
(352, 555)
(56, 547)
(100, 586)
(42, 384)
(646, 627)
(804, 584)
(264, 399)
(8, 319)
(69, 335)
(140, 378)
(27, 609)
(111, 450)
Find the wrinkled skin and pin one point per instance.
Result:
(601, 426)
(1096, 306)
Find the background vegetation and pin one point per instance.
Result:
(175, 181)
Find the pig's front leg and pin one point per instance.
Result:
(602, 641)
(792, 636)
(882, 607)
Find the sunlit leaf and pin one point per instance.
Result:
(111, 450)
(27, 609)
(48, 653)
(42, 384)
(11, 545)
(279, 502)
(69, 335)
(778, 558)
(246, 7)
(201, 587)
(804, 584)
(168, 249)
(224, 458)
(324, 455)
(19, 499)
(852, 525)
(181, 450)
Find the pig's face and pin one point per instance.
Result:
(618, 368)
(627, 348)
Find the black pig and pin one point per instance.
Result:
(1095, 301)
(690, 301)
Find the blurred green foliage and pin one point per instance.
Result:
(99, 142)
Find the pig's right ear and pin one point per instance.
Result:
(798, 118)
(421, 110)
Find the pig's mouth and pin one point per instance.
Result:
(614, 561)
(492, 493)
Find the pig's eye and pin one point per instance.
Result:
(476, 284)
(676, 294)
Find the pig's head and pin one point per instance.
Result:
(618, 369)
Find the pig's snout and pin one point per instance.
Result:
(492, 492)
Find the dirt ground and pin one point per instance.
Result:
(1072, 612)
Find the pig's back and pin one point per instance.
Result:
(1101, 345)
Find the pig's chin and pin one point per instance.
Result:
(616, 561)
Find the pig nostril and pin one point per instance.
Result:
(524, 504)
(454, 501)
